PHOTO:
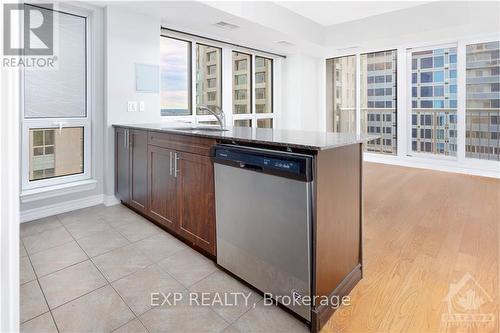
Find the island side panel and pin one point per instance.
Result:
(337, 229)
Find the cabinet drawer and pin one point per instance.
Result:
(190, 144)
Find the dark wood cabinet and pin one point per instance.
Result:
(170, 179)
(196, 200)
(122, 164)
(138, 169)
(162, 185)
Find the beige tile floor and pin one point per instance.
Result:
(93, 270)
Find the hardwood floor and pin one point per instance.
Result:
(424, 232)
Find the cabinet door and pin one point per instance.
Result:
(122, 165)
(138, 169)
(162, 187)
(195, 187)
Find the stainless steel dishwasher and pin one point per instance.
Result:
(263, 210)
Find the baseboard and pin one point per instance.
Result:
(482, 168)
(111, 200)
(59, 208)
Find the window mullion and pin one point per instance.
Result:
(461, 95)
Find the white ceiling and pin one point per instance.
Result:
(332, 12)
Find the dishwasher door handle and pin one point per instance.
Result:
(250, 167)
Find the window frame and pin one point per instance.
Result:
(227, 82)
(28, 124)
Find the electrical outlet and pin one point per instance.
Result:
(132, 106)
(142, 106)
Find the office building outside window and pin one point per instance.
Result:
(208, 77)
(242, 86)
(482, 136)
(434, 101)
(263, 85)
(378, 100)
(341, 93)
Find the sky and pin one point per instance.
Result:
(174, 74)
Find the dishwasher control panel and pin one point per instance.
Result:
(284, 164)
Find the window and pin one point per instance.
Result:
(482, 96)
(262, 114)
(208, 67)
(377, 113)
(243, 123)
(54, 154)
(260, 77)
(242, 87)
(248, 99)
(341, 72)
(175, 76)
(260, 93)
(265, 123)
(263, 84)
(434, 108)
(56, 121)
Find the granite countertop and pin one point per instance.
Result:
(310, 140)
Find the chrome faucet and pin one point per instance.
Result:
(221, 117)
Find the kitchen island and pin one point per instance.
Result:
(166, 173)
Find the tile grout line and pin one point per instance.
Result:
(110, 284)
(41, 290)
(153, 262)
(90, 259)
(250, 308)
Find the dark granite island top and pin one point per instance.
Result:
(309, 140)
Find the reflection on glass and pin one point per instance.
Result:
(263, 85)
(54, 153)
(341, 72)
(378, 100)
(243, 123)
(174, 73)
(434, 108)
(242, 73)
(483, 101)
(265, 123)
(208, 77)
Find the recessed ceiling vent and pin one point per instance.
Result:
(284, 43)
(226, 26)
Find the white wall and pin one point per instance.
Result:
(130, 38)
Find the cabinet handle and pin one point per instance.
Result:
(176, 170)
(125, 139)
(170, 164)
